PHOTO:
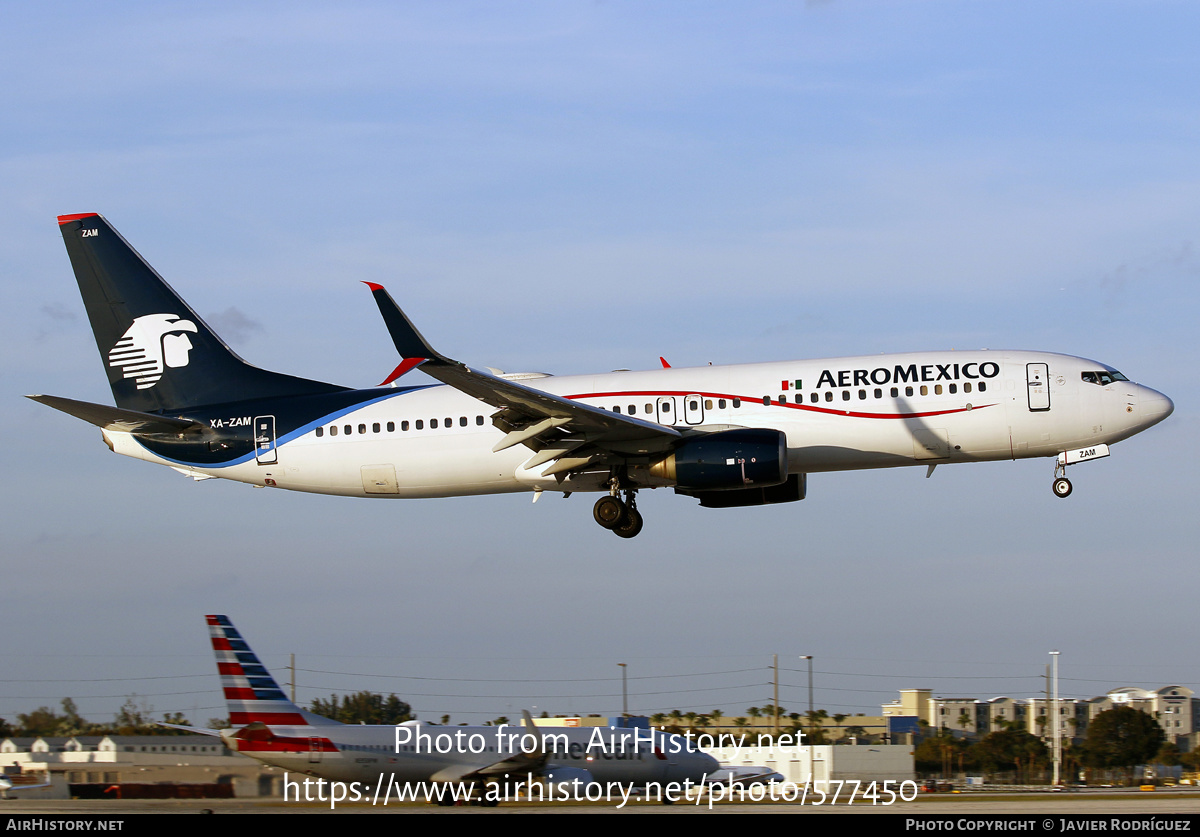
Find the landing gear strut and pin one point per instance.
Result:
(622, 518)
(1061, 485)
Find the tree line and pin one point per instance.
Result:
(1117, 739)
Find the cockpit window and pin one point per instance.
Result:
(1102, 377)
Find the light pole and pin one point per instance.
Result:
(810, 689)
(624, 695)
(1056, 720)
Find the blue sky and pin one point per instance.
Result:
(573, 187)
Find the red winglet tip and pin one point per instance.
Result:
(66, 219)
(373, 286)
(663, 360)
(405, 366)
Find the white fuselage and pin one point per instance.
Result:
(877, 411)
(417, 752)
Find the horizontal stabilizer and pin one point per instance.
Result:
(216, 733)
(114, 418)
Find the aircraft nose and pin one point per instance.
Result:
(1154, 406)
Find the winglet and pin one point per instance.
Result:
(409, 342)
(663, 361)
(406, 366)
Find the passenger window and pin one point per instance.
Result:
(983, 386)
(320, 432)
(895, 392)
(617, 410)
(829, 395)
(433, 424)
(924, 390)
(908, 391)
(404, 426)
(375, 427)
(349, 429)
(449, 422)
(391, 427)
(420, 424)
(462, 421)
(720, 403)
(967, 386)
(815, 397)
(766, 401)
(878, 393)
(845, 395)
(479, 420)
(953, 388)
(649, 409)
(632, 409)
(862, 395)
(708, 403)
(362, 428)
(737, 402)
(937, 389)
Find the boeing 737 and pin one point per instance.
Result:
(727, 436)
(366, 758)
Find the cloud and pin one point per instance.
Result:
(234, 326)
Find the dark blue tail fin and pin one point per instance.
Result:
(159, 355)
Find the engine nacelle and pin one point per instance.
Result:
(731, 460)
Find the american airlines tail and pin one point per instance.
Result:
(251, 693)
(143, 327)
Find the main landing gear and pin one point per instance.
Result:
(1061, 485)
(622, 518)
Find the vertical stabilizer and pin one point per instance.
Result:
(251, 693)
(159, 355)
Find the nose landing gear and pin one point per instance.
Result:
(1061, 485)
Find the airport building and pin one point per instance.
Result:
(78, 765)
(1176, 708)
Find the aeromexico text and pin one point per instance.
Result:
(898, 374)
(609, 743)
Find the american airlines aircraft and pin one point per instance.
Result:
(269, 727)
(726, 435)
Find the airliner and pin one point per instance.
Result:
(267, 726)
(7, 783)
(727, 436)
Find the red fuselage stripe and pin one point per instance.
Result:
(758, 401)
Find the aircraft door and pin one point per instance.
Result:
(666, 411)
(693, 409)
(1037, 377)
(264, 440)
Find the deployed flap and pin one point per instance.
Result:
(114, 418)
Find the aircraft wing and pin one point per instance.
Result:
(517, 763)
(114, 418)
(578, 436)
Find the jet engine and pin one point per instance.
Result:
(731, 460)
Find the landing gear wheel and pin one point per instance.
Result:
(630, 525)
(1062, 487)
(609, 511)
